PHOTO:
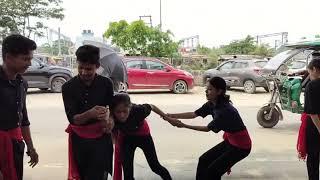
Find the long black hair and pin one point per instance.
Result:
(120, 98)
(220, 84)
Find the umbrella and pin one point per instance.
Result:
(111, 65)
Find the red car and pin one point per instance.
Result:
(151, 73)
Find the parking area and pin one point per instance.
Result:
(273, 155)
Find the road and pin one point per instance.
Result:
(273, 156)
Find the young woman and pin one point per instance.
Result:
(308, 140)
(236, 145)
(132, 131)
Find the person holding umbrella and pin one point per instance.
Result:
(86, 99)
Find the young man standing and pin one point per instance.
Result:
(86, 99)
(17, 52)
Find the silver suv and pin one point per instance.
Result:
(240, 73)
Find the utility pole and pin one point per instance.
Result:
(160, 15)
(59, 42)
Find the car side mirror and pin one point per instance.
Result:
(42, 65)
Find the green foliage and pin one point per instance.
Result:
(263, 51)
(25, 16)
(137, 38)
(245, 46)
(54, 48)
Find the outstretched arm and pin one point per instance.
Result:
(180, 124)
(197, 128)
(157, 110)
(186, 115)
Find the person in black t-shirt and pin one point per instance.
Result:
(237, 143)
(86, 99)
(312, 109)
(17, 53)
(132, 131)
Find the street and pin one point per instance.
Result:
(273, 156)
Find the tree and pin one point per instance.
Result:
(203, 50)
(54, 48)
(160, 44)
(263, 51)
(25, 16)
(137, 38)
(245, 46)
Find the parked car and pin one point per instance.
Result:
(297, 66)
(44, 77)
(151, 73)
(240, 73)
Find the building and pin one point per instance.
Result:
(88, 35)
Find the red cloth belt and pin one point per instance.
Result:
(7, 165)
(143, 130)
(239, 139)
(302, 137)
(91, 131)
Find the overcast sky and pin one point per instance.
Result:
(215, 21)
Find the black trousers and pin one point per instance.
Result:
(313, 165)
(18, 152)
(146, 143)
(93, 156)
(218, 160)
(313, 150)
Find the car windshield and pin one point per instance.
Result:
(260, 64)
(297, 65)
(275, 62)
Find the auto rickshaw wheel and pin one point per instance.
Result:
(263, 117)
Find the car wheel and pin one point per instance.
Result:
(43, 89)
(249, 87)
(123, 87)
(180, 87)
(56, 84)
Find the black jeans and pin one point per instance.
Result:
(130, 144)
(93, 156)
(313, 165)
(18, 153)
(218, 160)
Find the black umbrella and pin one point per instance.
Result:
(112, 66)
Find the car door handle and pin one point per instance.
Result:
(150, 72)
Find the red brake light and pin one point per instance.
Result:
(257, 70)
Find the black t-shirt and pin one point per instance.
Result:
(225, 117)
(138, 114)
(312, 106)
(78, 97)
(13, 108)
